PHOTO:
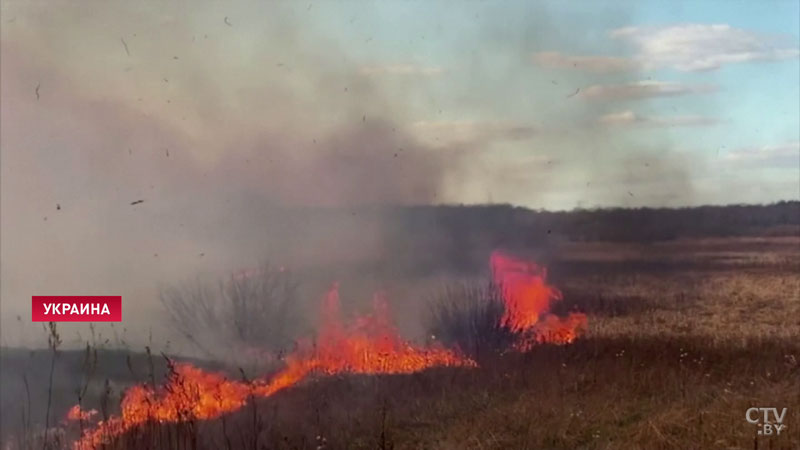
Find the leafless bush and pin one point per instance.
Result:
(257, 309)
(470, 317)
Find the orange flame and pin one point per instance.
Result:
(370, 346)
(76, 413)
(527, 298)
(190, 393)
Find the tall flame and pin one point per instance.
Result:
(528, 298)
(370, 345)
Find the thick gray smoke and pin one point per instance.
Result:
(218, 117)
(207, 119)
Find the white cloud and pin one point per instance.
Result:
(618, 118)
(693, 47)
(445, 133)
(629, 118)
(601, 64)
(642, 89)
(686, 47)
(785, 155)
(400, 69)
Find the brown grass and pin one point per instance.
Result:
(600, 393)
(683, 338)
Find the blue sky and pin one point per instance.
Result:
(745, 110)
(543, 104)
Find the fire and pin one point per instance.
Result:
(370, 345)
(527, 298)
(76, 413)
(190, 393)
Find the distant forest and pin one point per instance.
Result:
(616, 224)
(424, 238)
(464, 235)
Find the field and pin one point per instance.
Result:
(684, 336)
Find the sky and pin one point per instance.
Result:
(205, 110)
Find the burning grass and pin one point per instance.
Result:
(512, 311)
(597, 393)
(672, 360)
(370, 345)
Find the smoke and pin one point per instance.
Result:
(205, 115)
(566, 157)
(144, 143)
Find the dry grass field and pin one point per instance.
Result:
(684, 336)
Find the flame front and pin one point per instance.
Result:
(528, 298)
(370, 345)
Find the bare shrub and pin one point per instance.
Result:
(470, 317)
(257, 310)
